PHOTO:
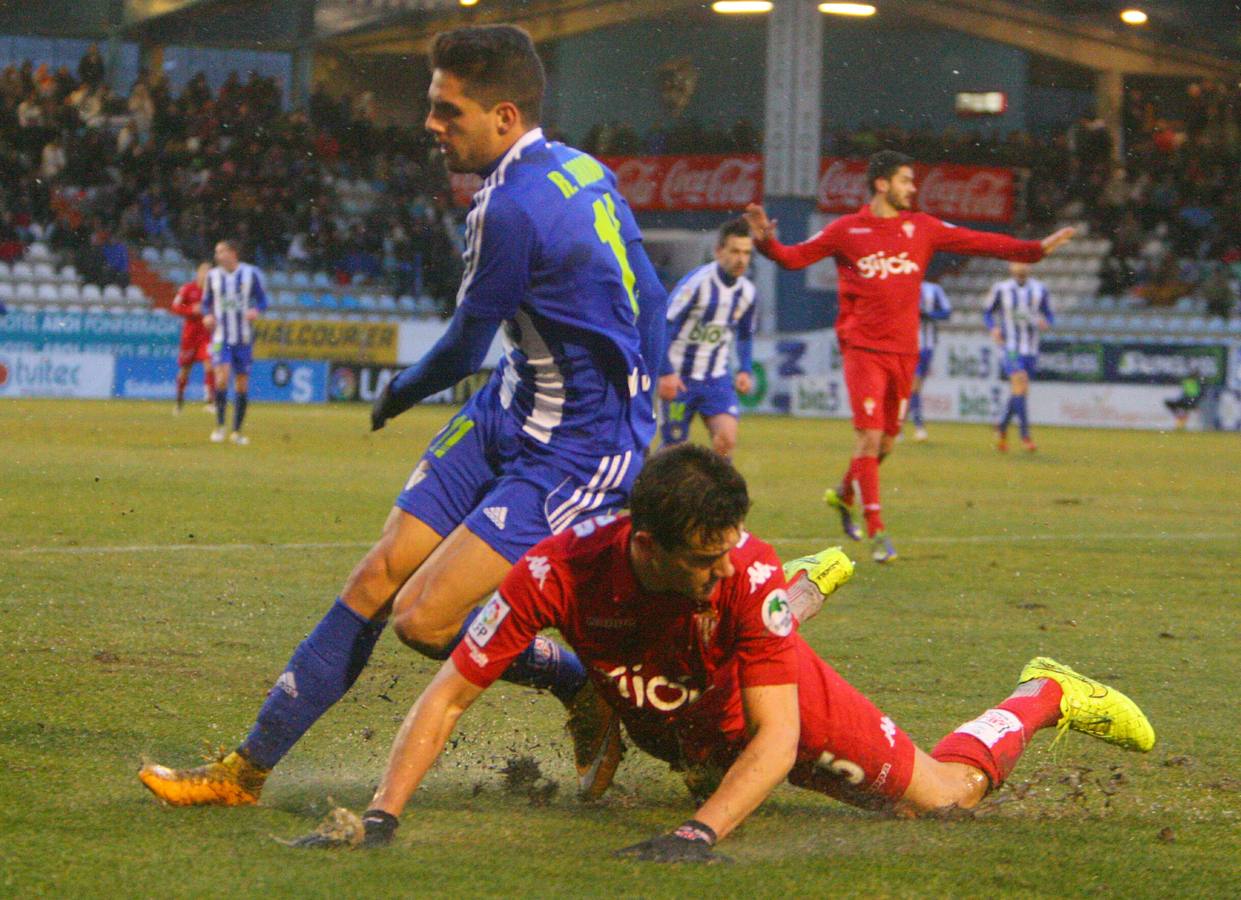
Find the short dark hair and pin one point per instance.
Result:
(885, 164)
(737, 227)
(232, 243)
(687, 491)
(497, 63)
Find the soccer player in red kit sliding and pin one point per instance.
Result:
(881, 254)
(195, 338)
(689, 633)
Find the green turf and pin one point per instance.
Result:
(1116, 552)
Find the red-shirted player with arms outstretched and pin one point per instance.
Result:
(195, 338)
(689, 633)
(881, 254)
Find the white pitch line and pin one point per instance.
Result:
(914, 539)
(176, 548)
(1043, 538)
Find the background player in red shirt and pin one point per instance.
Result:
(195, 338)
(881, 254)
(689, 633)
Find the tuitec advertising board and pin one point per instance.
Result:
(84, 375)
(278, 381)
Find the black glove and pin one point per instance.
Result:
(340, 829)
(380, 411)
(691, 843)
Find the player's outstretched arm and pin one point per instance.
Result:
(791, 256)
(459, 352)
(1057, 239)
(417, 746)
(772, 715)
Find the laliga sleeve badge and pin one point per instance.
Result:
(777, 614)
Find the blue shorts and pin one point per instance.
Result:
(509, 489)
(710, 397)
(924, 363)
(1014, 362)
(236, 356)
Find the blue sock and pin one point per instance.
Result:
(323, 667)
(915, 408)
(544, 665)
(221, 406)
(239, 412)
(1023, 420)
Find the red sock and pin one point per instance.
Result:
(846, 483)
(181, 380)
(866, 471)
(995, 740)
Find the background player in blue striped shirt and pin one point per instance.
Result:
(933, 308)
(1020, 308)
(554, 259)
(232, 299)
(707, 310)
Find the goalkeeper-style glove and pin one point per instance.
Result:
(692, 842)
(381, 410)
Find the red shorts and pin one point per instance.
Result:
(848, 749)
(192, 353)
(879, 385)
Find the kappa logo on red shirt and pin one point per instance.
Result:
(759, 572)
(908, 228)
(869, 405)
(880, 265)
(539, 568)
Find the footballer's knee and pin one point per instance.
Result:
(419, 629)
(938, 786)
(723, 444)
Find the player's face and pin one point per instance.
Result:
(901, 189)
(734, 256)
(1019, 271)
(694, 570)
(225, 256)
(468, 133)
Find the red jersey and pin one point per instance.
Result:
(189, 304)
(671, 667)
(881, 263)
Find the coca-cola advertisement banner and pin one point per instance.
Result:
(723, 183)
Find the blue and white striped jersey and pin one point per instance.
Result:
(932, 308)
(552, 250)
(706, 313)
(1015, 309)
(227, 297)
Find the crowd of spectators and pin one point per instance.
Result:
(328, 189)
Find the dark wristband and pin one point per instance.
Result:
(693, 830)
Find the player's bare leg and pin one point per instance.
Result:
(430, 607)
(220, 372)
(183, 378)
(321, 670)
(723, 431)
(208, 385)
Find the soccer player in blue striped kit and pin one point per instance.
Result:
(707, 310)
(555, 262)
(933, 308)
(232, 300)
(1019, 309)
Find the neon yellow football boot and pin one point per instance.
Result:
(828, 569)
(813, 578)
(229, 781)
(1093, 708)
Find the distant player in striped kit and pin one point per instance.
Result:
(1019, 309)
(933, 308)
(710, 308)
(232, 300)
